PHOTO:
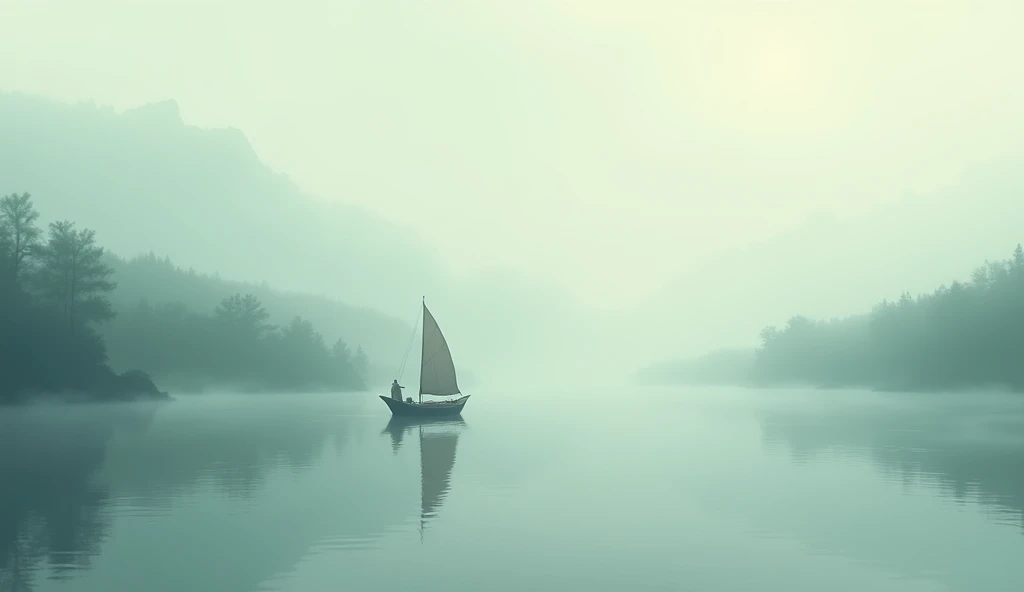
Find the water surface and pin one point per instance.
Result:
(713, 489)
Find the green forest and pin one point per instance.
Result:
(58, 325)
(232, 346)
(157, 283)
(965, 335)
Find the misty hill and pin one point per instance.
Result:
(966, 335)
(62, 334)
(829, 267)
(726, 366)
(146, 182)
(159, 281)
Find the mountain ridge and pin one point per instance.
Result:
(147, 182)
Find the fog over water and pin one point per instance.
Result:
(736, 289)
(724, 489)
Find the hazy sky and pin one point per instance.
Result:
(604, 144)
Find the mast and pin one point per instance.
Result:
(423, 350)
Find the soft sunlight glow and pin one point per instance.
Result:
(777, 69)
(603, 146)
(777, 76)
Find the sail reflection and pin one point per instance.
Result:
(438, 441)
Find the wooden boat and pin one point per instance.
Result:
(426, 410)
(437, 378)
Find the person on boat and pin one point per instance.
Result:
(396, 390)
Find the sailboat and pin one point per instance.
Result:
(437, 377)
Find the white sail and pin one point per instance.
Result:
(437, 370)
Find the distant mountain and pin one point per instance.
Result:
(829, 267)
(146, 182)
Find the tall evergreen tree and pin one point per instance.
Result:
(19, 235)
(73, 278)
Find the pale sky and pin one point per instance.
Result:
(605, 145)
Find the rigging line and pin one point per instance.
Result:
(405, 359)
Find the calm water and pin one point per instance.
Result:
(701, 490)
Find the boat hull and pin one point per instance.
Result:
(403, 409)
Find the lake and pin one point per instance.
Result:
(646, 489)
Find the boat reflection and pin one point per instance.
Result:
(438, 441)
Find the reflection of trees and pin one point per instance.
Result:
(51, 510)
(229, 446)
(438, 441)
(58, 466)
(304, 482)
(965, 450)
(67, 474)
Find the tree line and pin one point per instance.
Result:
(53, 291)
(967, 334)
(233, 346)
(55, 294)
(159, 282)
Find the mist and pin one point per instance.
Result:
(670, 177)
(538, 175)
(601, 295)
